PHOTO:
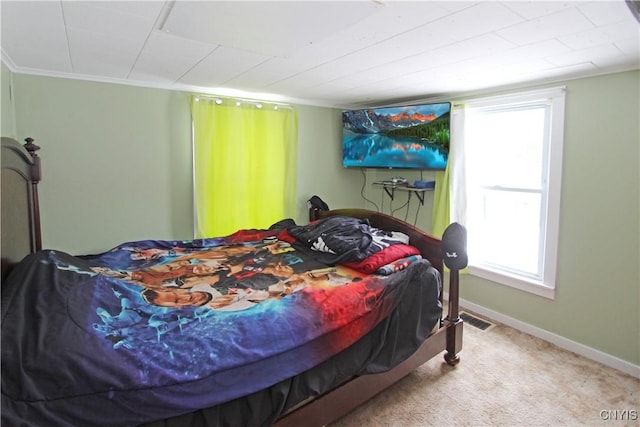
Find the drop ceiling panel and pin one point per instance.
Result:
(606, 34)
(605, 54)
(396, 19)
(103, 18)
(45, 15)
(482, 18)
(452, 54)
(167, 58)
(605, 12)
(531, 10)
(146, 9)
(266, 73)
(516, 60)
(222, 65)
(93, 53)
(559, 24)
(630, 47)
(572, 71)
(276, 28)
(399, 47)
(42, 43)
(42, 59)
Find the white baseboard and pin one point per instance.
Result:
(560, 341)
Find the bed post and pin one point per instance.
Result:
(20, 206)
(36, 174)
(454, 255)
(454, 329)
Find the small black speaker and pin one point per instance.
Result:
(454, 246)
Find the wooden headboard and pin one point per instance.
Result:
(20, 207)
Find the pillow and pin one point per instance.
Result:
(398, 265)
(383, 257)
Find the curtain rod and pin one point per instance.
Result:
(239, 101)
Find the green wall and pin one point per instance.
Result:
(117, 161)
(7, 122)
(117, 167)
(320, 170)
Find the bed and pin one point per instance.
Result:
(293, 325)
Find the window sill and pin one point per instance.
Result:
(531, 286)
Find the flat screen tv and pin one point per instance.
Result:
(409, 137)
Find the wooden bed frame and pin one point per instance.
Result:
(20, 206)
(21, 236)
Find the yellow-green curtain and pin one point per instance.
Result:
(245, 164)
(448, 198)
(441, 216)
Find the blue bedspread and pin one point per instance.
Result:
(154, 329)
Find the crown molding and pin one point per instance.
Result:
(215, 91)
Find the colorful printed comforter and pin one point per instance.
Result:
(154, 329)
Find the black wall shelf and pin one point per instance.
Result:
(390, 188)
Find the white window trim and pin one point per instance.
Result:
(546, 287)
(517, 282)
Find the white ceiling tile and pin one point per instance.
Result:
(268, 72)
(277, 28)
(455, 6)
(41, 59)
(547, 27)
(45, 15)
(481, 46)
(520, 68)
(573, 71)
(602, 35)
(395, 19)
(222, 65)
(539, 49)
(386, 52)
(602, 52)
(398, 47)
(536, 8)
(167, 58)
(147, 9)
(42, 44)
(605, 12)
(97, 53)
(108, 69)
(629, 46)
(107, 18)
(160, 43)
(482, 18)
(515, 58)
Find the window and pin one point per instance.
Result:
(513, 155)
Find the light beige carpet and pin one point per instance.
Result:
(506, 378)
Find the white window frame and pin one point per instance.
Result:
(545, 284)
